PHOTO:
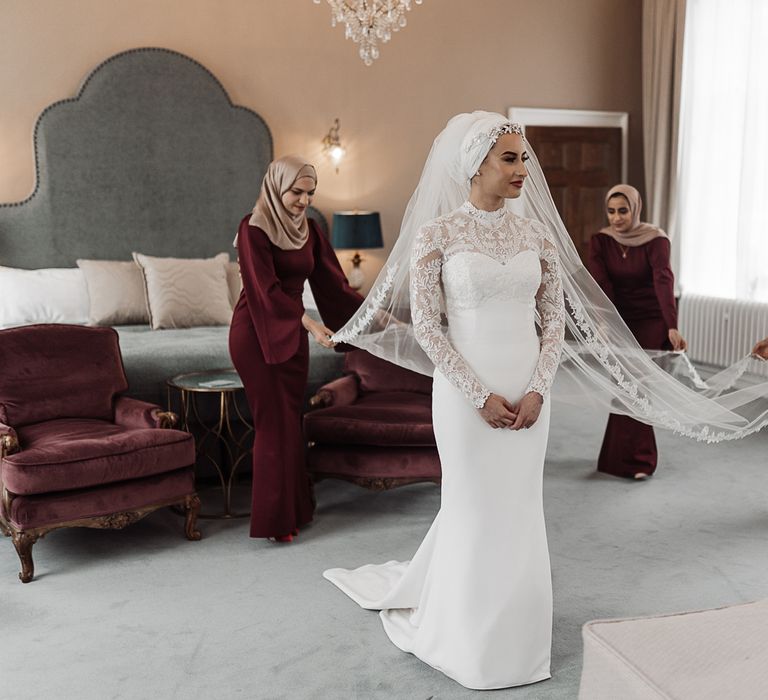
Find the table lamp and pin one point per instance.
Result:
(356, 230)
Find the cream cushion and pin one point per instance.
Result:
(717, 654)
(50, 295)
(116, 292)
(183, 293)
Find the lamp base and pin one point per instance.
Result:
(356, 275)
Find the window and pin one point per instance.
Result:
(723, 205)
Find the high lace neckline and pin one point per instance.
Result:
(486, 217)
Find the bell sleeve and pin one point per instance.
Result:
(663, 279)
(426, 270)
(275, 315)
(336, 300)
(550, 307)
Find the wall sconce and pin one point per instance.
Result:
(332, 144)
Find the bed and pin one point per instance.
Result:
(150, 155)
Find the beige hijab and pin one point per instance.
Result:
(286, 231)
(639, 232)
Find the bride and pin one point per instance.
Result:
(475, 602)
(458, 297)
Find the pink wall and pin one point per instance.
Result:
(283, 59)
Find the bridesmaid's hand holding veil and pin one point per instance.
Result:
(677, 340)
(498, 412)
(761, 349)
(319, 331)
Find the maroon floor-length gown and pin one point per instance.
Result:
(270, 350)
(641, 286)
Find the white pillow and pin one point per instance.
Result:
(51, 295)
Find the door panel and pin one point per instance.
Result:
(581, 164)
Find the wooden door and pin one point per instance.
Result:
(581, 164)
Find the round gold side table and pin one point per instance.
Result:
(234, 448)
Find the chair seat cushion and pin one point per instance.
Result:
(387, 418)
(73, 453)
(39, 510)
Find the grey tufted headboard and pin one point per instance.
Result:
(150, 155)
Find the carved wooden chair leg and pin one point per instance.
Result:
(192, 506)
(23, 542)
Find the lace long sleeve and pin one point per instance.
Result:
(426, 268)
(551, 310)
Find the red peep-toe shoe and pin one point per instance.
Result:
(281, 538)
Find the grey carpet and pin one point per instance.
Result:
(142, 613)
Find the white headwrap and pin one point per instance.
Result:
(480, 139)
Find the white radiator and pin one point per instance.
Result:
(721, 331)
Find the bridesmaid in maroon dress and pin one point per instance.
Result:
(279, 248)
(630, 261)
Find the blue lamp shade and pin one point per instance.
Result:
(356, 230)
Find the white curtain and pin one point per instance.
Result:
(723, 187)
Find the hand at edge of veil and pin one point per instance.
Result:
(321, 333)
(678, 342)
(761, 349)
(498, 412)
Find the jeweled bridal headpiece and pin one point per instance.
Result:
(480, 139)
(493, 135)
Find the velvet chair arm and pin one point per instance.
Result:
(339, 392)
(132, 413)
(9, 441)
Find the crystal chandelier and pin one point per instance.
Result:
(369, 21)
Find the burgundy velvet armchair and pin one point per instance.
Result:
(373, 426)
(73, 451)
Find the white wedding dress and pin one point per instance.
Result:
(475, 602)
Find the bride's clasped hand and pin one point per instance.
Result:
(500, 413)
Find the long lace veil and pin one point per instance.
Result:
(602, 364)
